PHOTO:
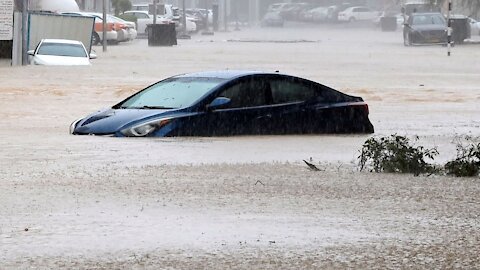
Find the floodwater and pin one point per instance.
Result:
(240, 202)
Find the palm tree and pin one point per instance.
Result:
(121, 5)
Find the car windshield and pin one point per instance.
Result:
(62, 49)
(172, 93)
(428, 19)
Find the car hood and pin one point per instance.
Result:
(429, 27)
(55, 60)
(110, 121)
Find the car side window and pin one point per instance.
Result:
(287, 90)
(293, 90)
(248, 93)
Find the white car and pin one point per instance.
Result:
(171, 15)
(474, 27)
(97, 34)
(124, 30)
(143, 19)
(319, 14)
(358, 13)
(129, 29)
(60, 52)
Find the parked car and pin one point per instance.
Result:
(60, 52)
(129, 28)
(125, 31)
(143, 19)
(292, 11)
(358, 13)
(334, 10)
(97, 33)
(424, 28)
(272, 19)
(225, 103)
(398, 17)
(277, 7)
(319, 14)
(474, 27)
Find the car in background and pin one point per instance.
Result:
(399, 18)
(358, 13)
(129, 28)
(334, 10)
(97, 33)
(319, 14)
(277, 7)
(170, 14)
(291, 12)
(143, 19)
(474, 27)
(425, 28)
(60, 52)
(227, 103)
(125, 31)
(272, 19)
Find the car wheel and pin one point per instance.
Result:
(352, 19)
(95, 38)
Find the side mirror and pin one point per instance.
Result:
(218, 102)
(31, 52)
(93, 55)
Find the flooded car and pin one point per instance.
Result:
(60, 52)
(425, 28)
(226, 103)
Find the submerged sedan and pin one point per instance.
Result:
(225, 103)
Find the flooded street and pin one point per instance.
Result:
(239, 202)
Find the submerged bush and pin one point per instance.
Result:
(394, 154)
(467, 162)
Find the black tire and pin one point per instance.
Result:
(95, 38)
(352, 19)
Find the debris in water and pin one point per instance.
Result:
(311, 166)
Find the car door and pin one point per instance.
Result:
(142, 21)
(248, 112)
(360, 13)
(289, 109)
(305, 107)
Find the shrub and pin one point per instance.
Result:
(467, 162)
(394, 154)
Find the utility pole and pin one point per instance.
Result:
(24, 32)
(206, 31)
(154, 11)
(184, 35)
(104, 25)
(225, 15)
(236, 16)
(449, 27)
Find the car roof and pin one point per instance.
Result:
(225, 74)
(63, 41)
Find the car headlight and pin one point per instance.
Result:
(145, 128)
(73, 125)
